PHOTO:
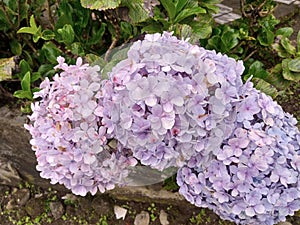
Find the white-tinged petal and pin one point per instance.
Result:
(151, 100)
(167, 123)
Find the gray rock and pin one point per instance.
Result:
(163, 218)
(57, 209)
(142, 218)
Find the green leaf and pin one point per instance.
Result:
(280, 50)
(77, 49)
(26, 30)
(35, 76)
(285, 31)
(25, 83)
(50, 52)
(46, 70)
(32, 22)
(265, 87)
(256, 69)
(137, 11)
(230, 39)
(100, 4)
(294, 65)
(152, 28)
(266, 37)
(37, 35)
(97, 34)
(3, 20)
(180, 5)
(287, 73)
(23, 94)
(117, 55)
(7, 65)
(93, 60)
(188, 12)
(66, 34)
(276, 78)
(214, 42)
(48, 35)
(15, 47)
(286, 44)
(201, 29)
(24, 68)
(170, 8)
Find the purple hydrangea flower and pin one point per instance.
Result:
(67, 136)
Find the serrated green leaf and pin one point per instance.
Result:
(188, 12)
(285, 31)
(294, 65)
(137, 11)
(202, 29)
(286, 44)
(100, 4)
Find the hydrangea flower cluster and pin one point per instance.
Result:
(169, 100)
(68, 137)
(253, 177)
(171, 104)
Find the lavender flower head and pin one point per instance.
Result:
(253, 177)
(67, 133)
(170, 100)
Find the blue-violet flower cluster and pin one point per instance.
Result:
(171, 104)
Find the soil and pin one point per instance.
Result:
(32, 205)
